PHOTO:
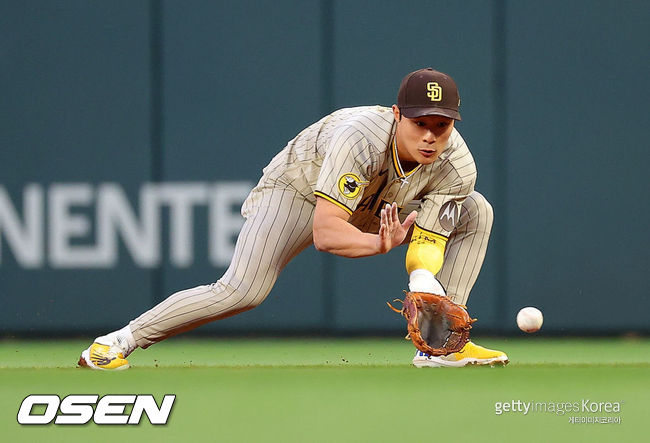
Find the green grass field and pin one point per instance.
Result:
(345, 390)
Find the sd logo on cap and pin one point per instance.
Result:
(428, 92)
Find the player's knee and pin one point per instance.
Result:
(480, 210)
(254, 300)
(486, 211)
(241, 297)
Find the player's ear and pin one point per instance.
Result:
(396, 113)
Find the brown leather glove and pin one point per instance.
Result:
(436, 325)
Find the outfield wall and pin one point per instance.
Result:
(130, 132)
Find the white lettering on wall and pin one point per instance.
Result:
(181, 198)
(24, 239)
(65, 226)
(86, 223)
(115, 215)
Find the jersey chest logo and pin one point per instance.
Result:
(350, 185)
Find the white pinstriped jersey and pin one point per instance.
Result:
(349, 158)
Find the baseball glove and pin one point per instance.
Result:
(436, 325)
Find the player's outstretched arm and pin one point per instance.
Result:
(333, 233)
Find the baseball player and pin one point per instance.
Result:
(359, 182)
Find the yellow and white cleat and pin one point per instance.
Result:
(471, 354)
(103, 357)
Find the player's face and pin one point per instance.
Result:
(421, 139)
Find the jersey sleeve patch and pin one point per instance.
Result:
(350, 185)
(347, 164)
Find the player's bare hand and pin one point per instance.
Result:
(391, 231)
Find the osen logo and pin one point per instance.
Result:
(78, 409)
(350, 185)
(449, 215)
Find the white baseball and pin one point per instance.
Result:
(530, 319)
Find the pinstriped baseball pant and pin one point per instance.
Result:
(466, 248)
(279, 226)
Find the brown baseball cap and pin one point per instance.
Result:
(428, 92)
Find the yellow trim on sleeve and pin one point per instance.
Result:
(426, 251)
(331, 200)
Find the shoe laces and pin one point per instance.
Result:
(116, 345)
